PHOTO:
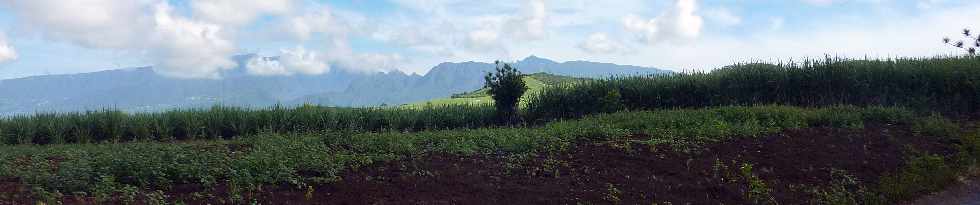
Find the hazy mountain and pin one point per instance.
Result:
(140, 89)
(446, 79)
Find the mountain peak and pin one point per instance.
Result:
(534, 58)
(536, 61)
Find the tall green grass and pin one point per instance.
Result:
(949, 85)
(221, 122)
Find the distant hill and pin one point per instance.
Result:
(545, 79)
(141, 89)
(446, 79)
(535, 83)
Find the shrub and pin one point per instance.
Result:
(936, 126)
(506, 87)
(922, 174)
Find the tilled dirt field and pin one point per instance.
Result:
(789, 164)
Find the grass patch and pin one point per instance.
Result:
(924, 173)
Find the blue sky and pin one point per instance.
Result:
(196, 38)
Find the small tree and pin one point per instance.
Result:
(506, 88)
(970, 45)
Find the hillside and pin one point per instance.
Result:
(535, 83)
(142, 89)
(544, 79)
(446, 79)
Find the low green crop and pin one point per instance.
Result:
(315, 157)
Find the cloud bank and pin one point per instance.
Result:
(196, 39)
(238, 12)
(7, 52)
(601, 43)
(679, 23)
(198, 44)
(177, 46)
(186, 48)
(289, 62)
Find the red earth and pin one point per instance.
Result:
(788, 163)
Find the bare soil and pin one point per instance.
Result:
(790, 163)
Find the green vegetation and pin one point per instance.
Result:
(924, 173)
(845, 189)
(759, 192)
(947, 85)
(227, 122)
(506, 86)
(111, 154)
(535, 83)
(553, 80)
(300, 159)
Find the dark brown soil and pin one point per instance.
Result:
(620, 172)
(13, 192)
(789, 163)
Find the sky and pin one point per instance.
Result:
(198, 38)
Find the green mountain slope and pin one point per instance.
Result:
(535, 83)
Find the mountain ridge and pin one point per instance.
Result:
(142, 89)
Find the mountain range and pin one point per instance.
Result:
(141, 89)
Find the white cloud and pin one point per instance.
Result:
(335, 28)
(340, 52)
(532, 24)
(494, 32)
(302, 61)
(186, 48)
(679, 23)
(266, 66)
(176, 46)
(600, 43)
(196, 40)
(289, 62)
(378, 62)
(900, 36)
(238, 12)
(432, 37)
(89, 23)
(723, 16)
(7, 52)
(322, 22)
(454, 29)
(483, 39)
